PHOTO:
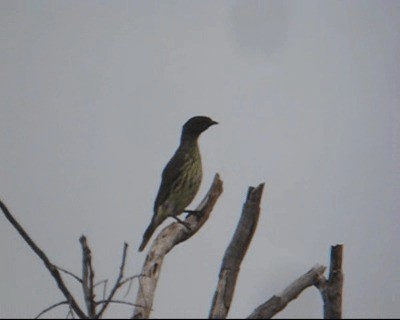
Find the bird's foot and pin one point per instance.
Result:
(182, 222)
(197, 213)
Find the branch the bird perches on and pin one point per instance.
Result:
(175, 233)
(168, 238)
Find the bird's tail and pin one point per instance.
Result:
(147, 234)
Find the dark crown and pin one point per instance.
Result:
(196, 125)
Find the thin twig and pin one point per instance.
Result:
(50, 267)
(70, 274)
(130, 280)
(99, 283)
(129, 288)
(71, 312)
(104, 287)
(116, 301)
(50, 308)
(117, 283)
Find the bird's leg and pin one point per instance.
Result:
(196, 213)
(182, 222)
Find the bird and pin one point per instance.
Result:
(181, 177)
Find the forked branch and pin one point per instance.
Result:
(331, 288)
(277, 303)
(167, 239)
(117, 284)
(50, 266)
(87, 280)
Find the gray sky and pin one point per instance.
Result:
(94, 94)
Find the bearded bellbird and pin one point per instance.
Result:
(181, 177)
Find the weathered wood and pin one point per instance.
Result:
(87, 278)
(167, 239)
(277, 303)
(235, 253)
(331, 290)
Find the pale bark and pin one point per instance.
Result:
(167, 239)
(235, 253)
(277, 303)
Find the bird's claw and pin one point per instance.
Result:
(187, 225)
(196, 213)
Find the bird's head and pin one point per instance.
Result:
(196, 125)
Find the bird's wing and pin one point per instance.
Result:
(171, 172)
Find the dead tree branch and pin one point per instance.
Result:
(167, 239)
(129, 281)
(87, 278)
(105, 282)
(116, 302)
(117, 285)
(51, 308)
(50, 266)
(70, 274)
(235, 253)
(277, 303)
(331, 289)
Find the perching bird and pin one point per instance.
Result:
(181, 176)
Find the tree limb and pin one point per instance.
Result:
(167, 239)
(277, 303)
(70, 274)
(235, 253)
(51, 267)
(87, 278)
(50, 308)
(117, 285)
(331, 289)
(116, 302)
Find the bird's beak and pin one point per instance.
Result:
(214, 122)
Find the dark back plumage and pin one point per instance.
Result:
(171, 173)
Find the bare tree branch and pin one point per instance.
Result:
(87, 278)
(51, 267)
(167, 239)
(51, 308)
(331, 289)
(100, 282)
(117, 285)
(235, 253)
(129, 281)
(104, 287)
(116, 302)
(70, 274)
(277, 303)
(70, 313)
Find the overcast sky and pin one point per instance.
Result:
(307, 93)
